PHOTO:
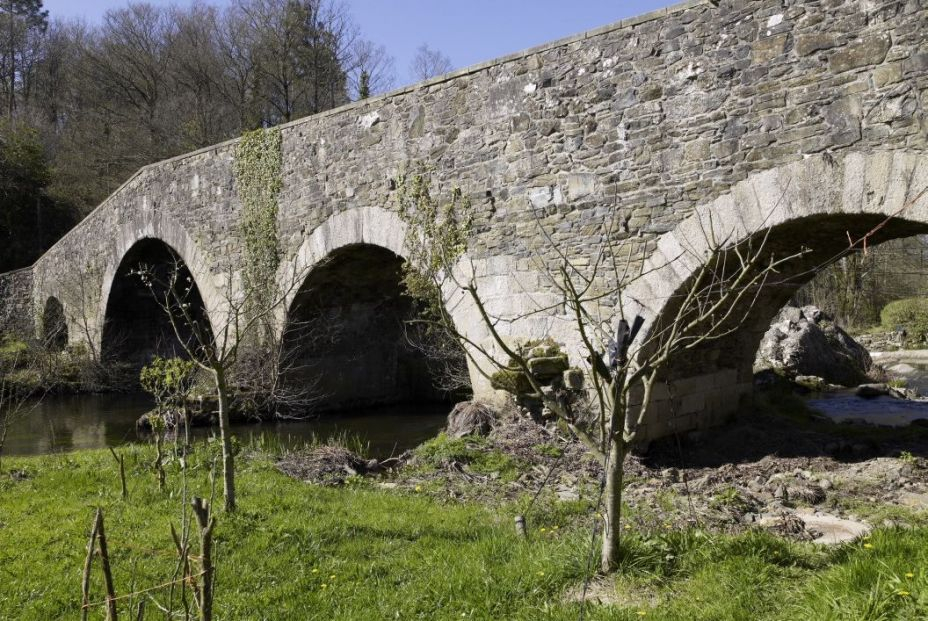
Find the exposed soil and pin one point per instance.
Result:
(803, 479)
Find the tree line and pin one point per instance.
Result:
(85, 105)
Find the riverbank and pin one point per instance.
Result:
(388, 547)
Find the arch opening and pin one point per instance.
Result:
(54, 326)
(136, 327)
(729, 360)
(348, 337)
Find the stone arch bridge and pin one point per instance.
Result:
(805, 116)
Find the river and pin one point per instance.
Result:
(66, 423)
(73, 422)
(844, 406)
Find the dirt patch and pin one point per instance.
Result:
(326, 465)
(803, 481)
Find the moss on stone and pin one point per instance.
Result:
(513, 382)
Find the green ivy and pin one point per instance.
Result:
(437, 235)
(257, 170)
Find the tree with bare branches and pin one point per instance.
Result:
(429, 63)
(240, 322)
(622, 360)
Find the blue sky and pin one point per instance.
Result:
(468, 31)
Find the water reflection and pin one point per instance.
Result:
(66, 423)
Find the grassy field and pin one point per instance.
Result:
(297, 551)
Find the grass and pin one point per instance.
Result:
(384, 554)
(470, 450)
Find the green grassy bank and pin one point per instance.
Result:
(297, 551)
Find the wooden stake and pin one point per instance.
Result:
(88, 561)
(204, 592)
(107, 573)
(121, 461)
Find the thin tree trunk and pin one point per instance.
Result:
(12, 52)
(613, 504)
(159, 462)
(228, 463)
(615, 469)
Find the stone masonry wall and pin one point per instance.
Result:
(655, 115)
(16, 307)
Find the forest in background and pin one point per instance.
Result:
(83, 106)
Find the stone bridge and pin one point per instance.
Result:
(804, 117)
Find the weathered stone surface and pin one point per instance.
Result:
(17, 310)
(811, 43)
(766, 49)
(869, 51)
(843, 120)
(804, 341)
(548, 366)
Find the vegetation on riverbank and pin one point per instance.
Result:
(365, 551)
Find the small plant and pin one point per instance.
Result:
(897, 382)
(472, 451)
(907, 458)
(442, 449)
(729, 498)
(548, 450)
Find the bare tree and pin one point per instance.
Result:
(429, 63)
(297, 46)
(241, 319)
(621, 370)
(23, 23)
(371, 70)
(197, 71)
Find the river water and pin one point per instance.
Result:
(67, 423)
(844, 406)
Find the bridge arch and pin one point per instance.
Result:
(345, 333)
(372, 226)
(128, 308)
(54, 334)
(817, 202)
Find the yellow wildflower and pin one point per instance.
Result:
(909, 575)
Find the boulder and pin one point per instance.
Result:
(470, 418)
(869, 391)
(805, 341)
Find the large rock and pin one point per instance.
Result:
(805, 341)
(470, 418)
